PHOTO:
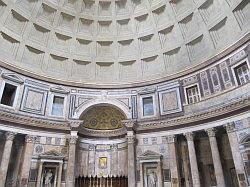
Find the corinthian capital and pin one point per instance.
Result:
(211, 132)
(129, 124)
(230, 127)
(75, 123)
(171, 138)
(73, 139)
(10, 136)
(30, 138)
(189, 136)
(131, 139)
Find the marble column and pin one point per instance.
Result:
(70, 174)
(91, 160)
(114, 160)
(159, 172)
(19, 146)
(193, 160)
(39, 175)
(131, 159)
(130, 125)
(175, 177)
(237, 158)
(184, 153)
(59, 179)
(9, 137)
(216, 158)
(26, 162)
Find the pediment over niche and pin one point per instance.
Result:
(150, 155)
(13, 77)
(52, 154)
(59, 89)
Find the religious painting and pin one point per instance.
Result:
(103, 162)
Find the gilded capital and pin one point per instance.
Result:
(211, 132)
(189, 136)
(10, 136)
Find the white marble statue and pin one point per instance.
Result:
(48, 176)
(152, 179)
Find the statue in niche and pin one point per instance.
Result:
(152, 179)
(48, 178)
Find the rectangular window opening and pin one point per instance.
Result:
(242, 73)
(9, 93)
(148, 107)
(193, 95)
(58, 106)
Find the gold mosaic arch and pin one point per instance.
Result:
(103, 118)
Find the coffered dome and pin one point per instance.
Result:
(108, 42)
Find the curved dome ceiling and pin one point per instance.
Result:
(108, 42)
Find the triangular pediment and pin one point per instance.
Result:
(52, 154)
(150, 155)
(59, 89)
(12, 77)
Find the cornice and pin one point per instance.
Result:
(102, 133)
(240, 103)
(17, 118)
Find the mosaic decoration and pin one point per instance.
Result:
(103, 118)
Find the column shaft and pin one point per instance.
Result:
(175, 177)
(70, 174)
(39, 175)
(216, 159)
(238, 161)
(131, 159)
(27, 155)
(193, 160)
(9, 136)
(159, 172)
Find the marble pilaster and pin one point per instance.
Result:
(26, 163)
(131, 159)
(216, 158)
(193, 160)
(175, 178)
(39, 175)
(237, 158)
(70, 174)
(9, 137)
(59, 178)
(114, 157)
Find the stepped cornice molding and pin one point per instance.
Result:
(17, 118)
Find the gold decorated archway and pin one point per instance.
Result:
(103, 118)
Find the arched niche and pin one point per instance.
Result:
(103, 117)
